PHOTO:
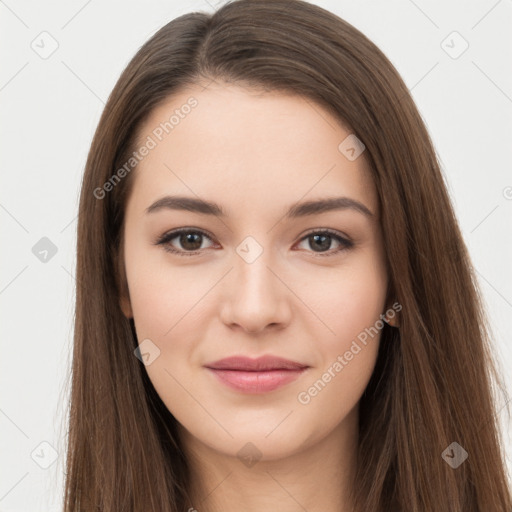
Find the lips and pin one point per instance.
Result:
(264, 363)
(256, 376)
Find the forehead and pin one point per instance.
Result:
(251, 147)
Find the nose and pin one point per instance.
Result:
(255, 298)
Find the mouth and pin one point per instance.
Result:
(256, 376)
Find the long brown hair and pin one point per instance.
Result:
(433, 381)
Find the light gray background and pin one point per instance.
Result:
(51, 106)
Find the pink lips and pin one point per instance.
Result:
(256, 375)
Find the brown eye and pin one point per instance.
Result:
(190, 241)
(183, 241)
(321, 242)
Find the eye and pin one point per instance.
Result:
(322, 240)
(190, 240)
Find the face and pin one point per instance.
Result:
(252, 278)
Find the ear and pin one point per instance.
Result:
(126, 306)
(392, 313)
(122, 284)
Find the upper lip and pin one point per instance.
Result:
(263, 363)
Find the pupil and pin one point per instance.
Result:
(326, 238)
(187, 241)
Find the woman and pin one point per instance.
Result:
(275, 309)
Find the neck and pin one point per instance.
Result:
(316, 478)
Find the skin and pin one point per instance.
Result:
(256, 153)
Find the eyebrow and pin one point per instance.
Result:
(303, 209)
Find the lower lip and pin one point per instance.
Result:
(256, 382)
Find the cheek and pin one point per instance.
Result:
(349, 306)
(168, 310)
(163, 297)
(346, 301)
(161, 302)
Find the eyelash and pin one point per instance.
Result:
(167, 237)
